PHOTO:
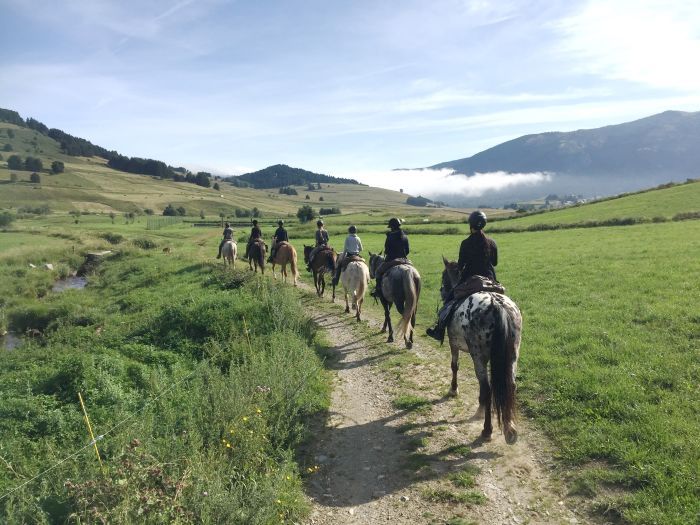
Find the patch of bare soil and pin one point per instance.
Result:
(396, 449)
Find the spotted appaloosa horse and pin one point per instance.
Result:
(488, 326)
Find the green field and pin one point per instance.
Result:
(662, 204)
(609, 366)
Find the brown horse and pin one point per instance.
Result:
(257, 256)
(324, 261)
(285, 254)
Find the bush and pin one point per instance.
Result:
(7, 147)
(216, 186)
(145, 244)
(686, 216)
(13, 177)
(170, 211)
(57, 166)
(14, 162)
(35, 178)
(112, 238)
(305, 213)
(33, 164)
(329, 211)
(148, 211)
(6, 218)
(288, 190)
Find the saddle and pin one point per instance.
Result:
(388, 265)
(474, 284)
(350, 258)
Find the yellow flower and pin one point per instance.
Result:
(279, 501)
(289, 477)
(258, 411)
(228, 445)
(245, 418)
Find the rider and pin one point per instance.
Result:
(255, 235)
(321, 242)
(395, 248)
(228, 236)
(279, 236)
(353, 246)
(477, 256)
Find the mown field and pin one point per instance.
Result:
(609, 365)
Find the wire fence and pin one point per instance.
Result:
(156, 223)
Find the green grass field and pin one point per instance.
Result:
(609, 367)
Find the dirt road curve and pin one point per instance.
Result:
(395, 449)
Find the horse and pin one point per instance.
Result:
(229, 251)
(401, 286)
(355, 279)
(285, 254)
(256, 256)
(324, 261)
(487, 325)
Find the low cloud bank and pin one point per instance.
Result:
(429, 182)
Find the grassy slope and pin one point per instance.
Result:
(656, 203)
(88, 184)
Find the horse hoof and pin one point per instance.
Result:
(390, 340)
(511, 437)
(409, 344)
(347, 310)
(453, 393)
(486, 435)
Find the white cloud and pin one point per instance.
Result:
(429, 182)
(650, 42)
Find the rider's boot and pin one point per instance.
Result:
(437, 332)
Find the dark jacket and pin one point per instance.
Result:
(255, 233)
(321, 237)
(472, 260)
(281, 234)
(396, 245)
(228, 234)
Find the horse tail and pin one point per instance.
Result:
(411, 289)
(293, 261)
(502, 359)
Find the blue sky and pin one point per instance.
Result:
(341, 87)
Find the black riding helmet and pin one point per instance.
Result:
(280, 223)
(255, 222)
(319, 223)
(227, 225)
(394, 223)
(352, 229)
(477, 220)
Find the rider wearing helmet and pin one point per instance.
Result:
(321, 242)
(279, 236)
(477, 256)
(353, 246)
(255, 235)
(395, 247)
(228, 236)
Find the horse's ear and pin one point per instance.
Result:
(445, 261)
(380, 253)
(371, 254)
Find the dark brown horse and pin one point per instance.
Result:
(400, 286)
(256, 256)
(324, 262)
(488, 326)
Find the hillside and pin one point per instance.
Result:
(601, 161)
(656, 205)
(89, 184)
(282, 175)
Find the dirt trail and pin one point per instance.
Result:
(382, 464)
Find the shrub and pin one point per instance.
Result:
(35, 178)
(305, 213)
(7, 147)
(145, 244)
(170, 211)
(6, 218)
(13, 177)
(33, 164)
(686, 216)
(57, 166)
(14, 162)
(112, 238)
(288, 190)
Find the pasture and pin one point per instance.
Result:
(609, 363)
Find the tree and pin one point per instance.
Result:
(148, 211)
(76, 215)
(401, 190)
(181, 211)
(6, 218)
(11, 133)
(320, 199)
(33, 164)
(307, 197)
(57, 166)
(216, 186)
(170, 210)
(13, 177)
(201, 214)
(7, 147)
(35, 178)
(202, 179)
(305, 213)
(0, 157)
(112, 215)
(14, 162)
(256, 212)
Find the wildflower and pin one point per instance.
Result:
(245, 418)
(258, 411)
(279, 501)
(228, 445)
(289, 477)
(205, 493)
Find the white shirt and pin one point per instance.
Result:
(353, 244)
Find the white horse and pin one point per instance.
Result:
(355, 280)
(229, 252)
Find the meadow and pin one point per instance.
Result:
(609, 364)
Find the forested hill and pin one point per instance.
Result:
(659, 147)
(282, 175)
(76, 146)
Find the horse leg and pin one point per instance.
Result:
(484, 410)
(274, 275)
(454, 389)
(387, 322)
(358, 308)
(347, 304)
